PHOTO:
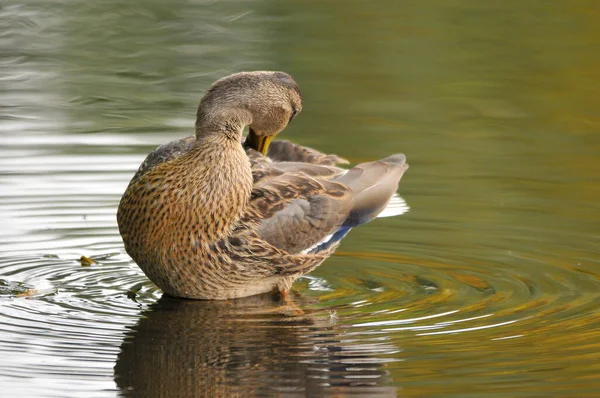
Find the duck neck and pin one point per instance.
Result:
(221, 182)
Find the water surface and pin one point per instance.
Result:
(489, 286)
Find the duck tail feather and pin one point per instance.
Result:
(373, 185)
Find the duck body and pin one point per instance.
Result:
(207, 217)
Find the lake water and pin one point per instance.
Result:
(488, 287)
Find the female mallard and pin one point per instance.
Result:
(206, 218)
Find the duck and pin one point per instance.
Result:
(216, 216)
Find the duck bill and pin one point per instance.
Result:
(259, 143)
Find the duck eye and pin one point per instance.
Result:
(294, 113)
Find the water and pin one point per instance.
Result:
(488, 287)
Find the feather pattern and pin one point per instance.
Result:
(207, 217)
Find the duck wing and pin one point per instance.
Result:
(309, 209)
(295, 211)
(285, 151)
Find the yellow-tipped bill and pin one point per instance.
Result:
(259, 143)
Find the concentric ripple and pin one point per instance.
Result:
(363, 323)
(484, 321)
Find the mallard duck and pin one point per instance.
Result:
(215, 217)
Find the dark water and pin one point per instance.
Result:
(489, 286)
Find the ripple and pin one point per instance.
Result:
(372, 321)
(468, 309)
(61, 322)
(475, 294)
(507, 306)
(69, 328)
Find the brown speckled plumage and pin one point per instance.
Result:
(209, 218)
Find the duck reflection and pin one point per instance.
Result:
(246, 347)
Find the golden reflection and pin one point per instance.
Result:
(546, 318)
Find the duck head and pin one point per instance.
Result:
(264, 101)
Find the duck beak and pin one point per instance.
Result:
(259, 143)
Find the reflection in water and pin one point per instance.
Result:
(490, 285)
(247, 347)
